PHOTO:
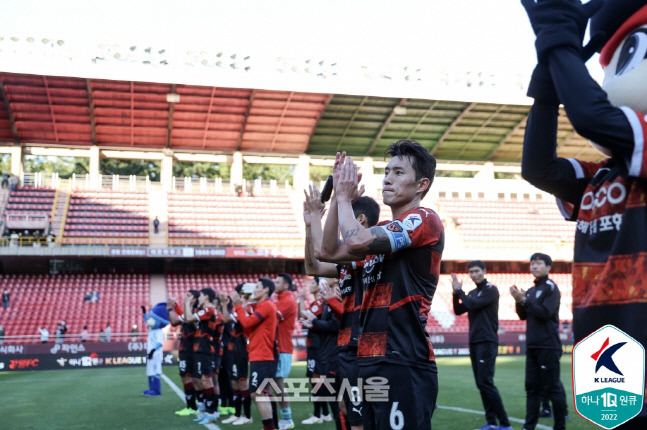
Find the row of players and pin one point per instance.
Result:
(366, 328)
(388, 274)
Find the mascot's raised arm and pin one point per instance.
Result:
(607, 199)
(156, 320)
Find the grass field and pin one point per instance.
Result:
(111, 399)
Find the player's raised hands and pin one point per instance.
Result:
(456, 284)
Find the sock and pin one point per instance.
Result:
(286, 414)
(317, 409)
(216, 400)
(238, 402)
(247, 404)
(345, 425)
(199, 395)
(268, 424)
(209, 400)
(189, 395)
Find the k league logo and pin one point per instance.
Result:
(608, 377)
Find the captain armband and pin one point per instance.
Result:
(397, 235)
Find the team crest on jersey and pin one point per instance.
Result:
(315, 308)
(200, 313)
(394, 227)
(412, 222)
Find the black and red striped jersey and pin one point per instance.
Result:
(398, 290)
(187, 331)
(313, 339)
(350, 285)
(206, 332)
(610, 258)
(218, 332)
(238, 340)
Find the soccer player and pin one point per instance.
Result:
(185, 351)
(205, 317)
(237, 362)
(367, 213)
(314, 367)
(327, 325)
(482, 307)
(400, 275)
(262, 327)
(286, 311)
(539, 306)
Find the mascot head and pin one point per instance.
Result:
(158, 316)
(624, 54)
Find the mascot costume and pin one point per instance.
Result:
(607, 199)
(156, 320)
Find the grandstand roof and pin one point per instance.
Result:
(78, 112)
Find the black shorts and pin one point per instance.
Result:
(202, 365)
(396, 396)
(215, 363)
(238, 365)
(347, 375)
(260, 374)
(186, 362)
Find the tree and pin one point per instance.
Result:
(280, 172)
(113, 166)
(64, 166)
(183, 169)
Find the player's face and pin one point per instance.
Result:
(259, 292)
(626, 73)
(280, 286)
(314, 286)
(477, 274)
(399, 185)
(538, 268)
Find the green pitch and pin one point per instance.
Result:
(111, 399)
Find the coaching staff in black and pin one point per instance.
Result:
(482, 307)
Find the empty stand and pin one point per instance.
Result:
(30, 201)
(491, 224)
(107, 217)
(228, 220)
(43, 300)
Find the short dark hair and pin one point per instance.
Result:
(543, 257)
(195, 293)
(423, 163)
(288, 279)
(476, 263)
(239, 288)
(369, 207)
(267, 283)
(209, 293)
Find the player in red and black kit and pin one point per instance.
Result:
(262, 327)
(185, 352)
(367, 213)
(327, 326)
(314, 367)
(216, 361)
(205, 316)
(237, 360)
(400, 275)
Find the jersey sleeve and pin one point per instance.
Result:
(423, 227)
(637, 164)
(414, 229)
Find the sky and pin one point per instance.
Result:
(471, 50)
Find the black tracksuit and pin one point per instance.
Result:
(482, 307)
(540, 309)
